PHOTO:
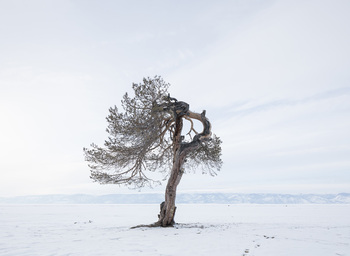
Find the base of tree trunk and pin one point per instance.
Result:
(161, 219)
(166, 215)
(154, 225)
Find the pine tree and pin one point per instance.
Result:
(147, 137)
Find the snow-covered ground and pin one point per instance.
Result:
(206, 229)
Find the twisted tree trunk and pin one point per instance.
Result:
(181, 149)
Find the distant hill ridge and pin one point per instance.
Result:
(182, 198)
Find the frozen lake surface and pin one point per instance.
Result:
(207, 229)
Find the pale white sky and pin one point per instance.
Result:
(272, 75)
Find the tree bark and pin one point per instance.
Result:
(168, 208)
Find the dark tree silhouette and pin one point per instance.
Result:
(147, 137)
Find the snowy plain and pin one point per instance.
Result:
(202, 229)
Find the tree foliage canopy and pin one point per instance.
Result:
(141, 139)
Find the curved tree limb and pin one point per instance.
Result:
(199, 137)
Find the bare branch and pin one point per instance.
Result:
(192, 127)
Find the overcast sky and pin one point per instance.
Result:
(274, 77)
